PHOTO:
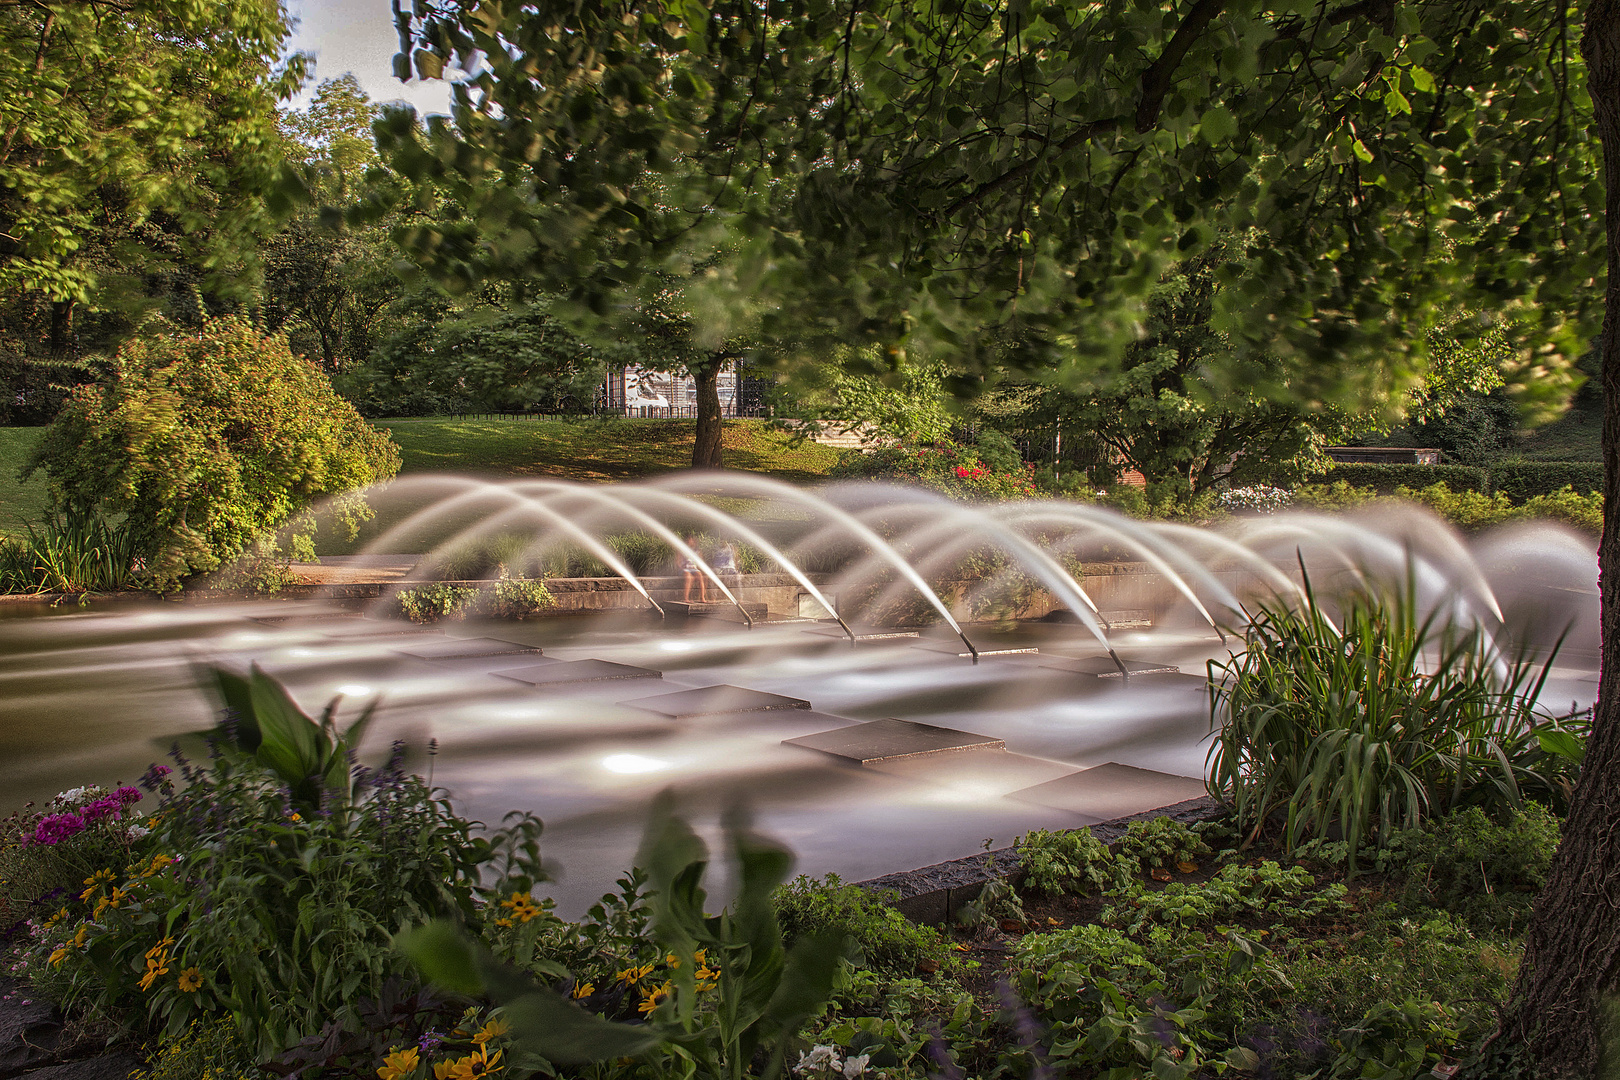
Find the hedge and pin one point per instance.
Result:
(1521, 480)
(1386, 478)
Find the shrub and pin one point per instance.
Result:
(1468, 510)
(1338, 495)
(1071, 861)
(439, 600)
(948, 468)
(210, 1050)
(1583, 512)
(1485, 873)
(1371, 723)
(886, 940)
(514, 598)
(1254, 499)
(1523, 480)
(1160, 842)
(1384, 479)
(205, 441)
(77, 551)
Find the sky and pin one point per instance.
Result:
(358, 36)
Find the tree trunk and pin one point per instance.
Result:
(1571, 968)
(706, 450)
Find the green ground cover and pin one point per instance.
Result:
(1575, 436)
(596, 449)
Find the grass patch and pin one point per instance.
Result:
(596, 448)
(1575, 436)
(19, 502)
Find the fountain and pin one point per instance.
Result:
(899, 678)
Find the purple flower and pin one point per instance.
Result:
(154, 777)
(56, 828)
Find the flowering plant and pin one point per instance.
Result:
(948, 468)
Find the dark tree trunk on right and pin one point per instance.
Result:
(1571, 968)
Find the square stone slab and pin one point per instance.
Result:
(1111, 791)
(714, 701)
(956, 648)
(1103, 667)
(890, 740)
(559, 672)
(468, 649)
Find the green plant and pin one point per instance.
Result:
(1370, 722)
(436, 601)
(75, 551)
(884, 939)
(1522, 481)
(263, 723)
(1068, 861)
(1266, 889)
(1486, 873)
(237, 903)
(1384, 479)
(733, 990)
(1161, 842)
(513, 598)
(209, 1049)
(206, 440)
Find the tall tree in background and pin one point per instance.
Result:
(1000, 186)
(139, 165)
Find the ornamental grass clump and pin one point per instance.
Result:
(1355, 728)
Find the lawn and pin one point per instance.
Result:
(596, 449)
(19, 502)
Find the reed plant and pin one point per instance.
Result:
(72, 552)
(1354, 729)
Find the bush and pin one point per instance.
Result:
(1254, 499)
(1465, 863)
(953, 470)
(887, 941)
(440, 600)
(1367, 723)
(1159, 843)
(1384, 479)
(205, 441)
(1072, 861)
(1522, 480)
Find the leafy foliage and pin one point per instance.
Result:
(950, 469)
(72, 552)
(1343, 723)
(1486, 873)
(884, 940)
(206, 441)
(1069, 861)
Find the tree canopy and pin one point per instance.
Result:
(1001, 185)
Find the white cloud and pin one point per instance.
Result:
(358, 36)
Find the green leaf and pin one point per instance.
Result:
(1217, 124)
(1361, 151)
(1562, 743)
(1063, 89)
(443, 954)
(1396, 102)
(1421, 79)
(550, 1025)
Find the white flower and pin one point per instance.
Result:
(138, 831)
(819, 1057)
(1254, 499)
(855, 1066)
(72, 795)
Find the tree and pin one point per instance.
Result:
(204, 441)
(998, 185)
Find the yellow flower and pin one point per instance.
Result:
(672, 960)
(522, 906)
(632, 975)
(398, 1063)
(151, 976)
(492, 1030)
(159, 861)
(707, 978)
(651, 999)
(98, 877)
(59, 955)
(190, 980)
(470, 1067)
(296, 817)
(101, 905)
(160, 948)
(503, 921)
(54, 919)
(701, 956)
(82, 936)
(584, 990)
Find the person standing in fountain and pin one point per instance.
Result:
(690, 571)
(724, 562)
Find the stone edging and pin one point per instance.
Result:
(932, 894)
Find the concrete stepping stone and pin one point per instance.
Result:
(467, 649)
(1112, 791)
(1103, 667)
(863, 635)
(714, 701)
(891, 740)
(561, 672)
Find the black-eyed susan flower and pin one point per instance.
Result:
(493, 1029)
(399, 1063)
(584, 990)
(190, 980)
(651, 999)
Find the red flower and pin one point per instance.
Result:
(962, 472)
